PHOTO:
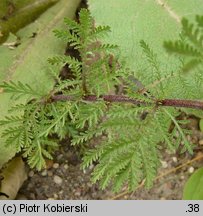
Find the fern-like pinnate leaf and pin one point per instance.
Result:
(190, 45)
(20, 89)
(123, 134)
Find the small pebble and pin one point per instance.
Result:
(61, 192)
(201, 142)
(56, 196)
(65, 166)
(182, 177)
(76, 185)
(50, 173)
(175, 160)
(191, 170)
(164, 164)
(58, 179)
(89, 185)
(91, 167)
(77, 193)
(55, 165)
(31, 174)
(44, 173)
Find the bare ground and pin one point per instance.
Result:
(65, 180)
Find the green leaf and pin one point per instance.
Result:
(27, 62)
(18, 14)
(201, 125)
(193, 189)
(152, 21)
(19, 89)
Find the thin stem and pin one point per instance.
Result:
(195, 104)
(180, 131)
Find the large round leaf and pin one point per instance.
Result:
(152, 21)
(193, 189)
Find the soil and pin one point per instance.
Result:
(63, 178)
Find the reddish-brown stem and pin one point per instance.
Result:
(195, 104)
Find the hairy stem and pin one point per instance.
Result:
(195, 104)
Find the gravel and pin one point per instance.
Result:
(58, 180)
(55, 165)
(64, 180)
